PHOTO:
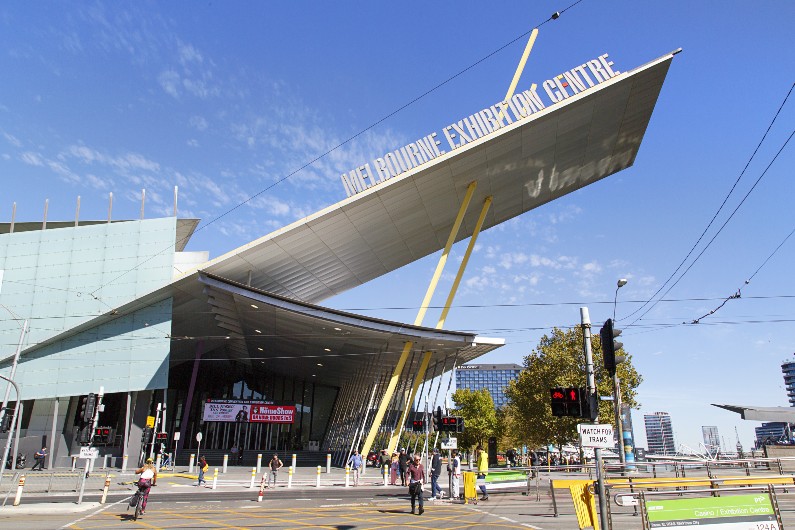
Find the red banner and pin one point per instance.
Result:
(272, 414)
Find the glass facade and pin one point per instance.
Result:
(660, 434)
(788, 368)
(492, 377)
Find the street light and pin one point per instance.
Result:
(617, 389)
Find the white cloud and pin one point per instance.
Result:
(198, 123)
(13, 140)
(170, 82)
(32, 159)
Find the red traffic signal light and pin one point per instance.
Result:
(449, 424)
(418, 425)
(558, 402)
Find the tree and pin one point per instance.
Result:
(480, 416)
(559, 361)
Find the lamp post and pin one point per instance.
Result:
(14, 422)
(617, 389)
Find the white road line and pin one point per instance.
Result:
(127, 499)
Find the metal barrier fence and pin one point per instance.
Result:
(62, 483)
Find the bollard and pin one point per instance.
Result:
(158, 462)
(74, 462)
(226, 462)
(386, 472)
(105, 461)
(328, 462)
(124, 463)
(259, 462)
(105, 489)
(290, 477)
(253, 476)
(318, 475)
(293, 464)
(261, 489)
(347, 476)
(215, 478)
(21, 485)
(190, 462)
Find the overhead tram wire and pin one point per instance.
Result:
(775, 157)
(717, 212)
(486, 57)
(738, 294)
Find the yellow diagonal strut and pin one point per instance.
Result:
(519, 70)
(393, 381)
(440, 324)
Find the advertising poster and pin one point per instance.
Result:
(262, 413)
(738, 512)
(230, 410)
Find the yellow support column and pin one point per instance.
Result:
(393, 381)
(464, 262)
(404, 415)
(519, 70)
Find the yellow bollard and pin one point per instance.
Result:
(191, 462)
(259, 462)
(328, 463)
(318, 475)
(105, 489)
(124, 463)
(347, 476)
(386, 472)
(21, 485)
(253, 476)
(226, 462)
(290, 477)
(215, 478)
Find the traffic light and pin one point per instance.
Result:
(85, 436)
(103, 435)
(437, 418)
(5, 423)
(610, 346)
(87, 405)
(558, 402)
(449, 424)
(573, 403)
(418, 425)
(161, 436)
(146, 435)
(460, 424)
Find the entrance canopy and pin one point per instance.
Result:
(522, 166)
(748, 412)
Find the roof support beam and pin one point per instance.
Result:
(393, 381)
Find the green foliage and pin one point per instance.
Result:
(559, 361)
(480, 417)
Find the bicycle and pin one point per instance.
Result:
(136, 500)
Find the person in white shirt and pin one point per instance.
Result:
(455, 471)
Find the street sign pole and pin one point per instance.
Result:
(585, 321)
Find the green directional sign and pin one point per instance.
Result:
(738, 512)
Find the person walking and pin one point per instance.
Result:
(394, 467)
(436, 471)
(355, 463)
(275, 465)
(203, 467)
(39, 458)
(455, 471)
(416, 478)
(483, 470)
(403, 463)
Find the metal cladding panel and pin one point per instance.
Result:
(560, 149)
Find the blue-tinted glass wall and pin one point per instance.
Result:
(788, 368)
(493, 377)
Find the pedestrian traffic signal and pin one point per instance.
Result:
(102, 436)
(460, 425)
(161, 436)
(610, 346)
(85, 435)
(437, 418)
(418, 425)
(572, 401)
(558, 402)
(449, 424)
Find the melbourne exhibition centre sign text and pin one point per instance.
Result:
(518, 107)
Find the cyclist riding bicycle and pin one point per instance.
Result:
(147, 480)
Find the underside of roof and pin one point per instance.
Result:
(522, 166)
(750, 412)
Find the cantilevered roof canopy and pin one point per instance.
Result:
(750, 412)
(522, 166)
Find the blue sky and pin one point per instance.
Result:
(225, 99)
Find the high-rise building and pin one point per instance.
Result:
(711, 438)
(660, 434)
(772, 432)
(493, 377)
(788, 368)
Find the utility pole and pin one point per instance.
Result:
(585, 321)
